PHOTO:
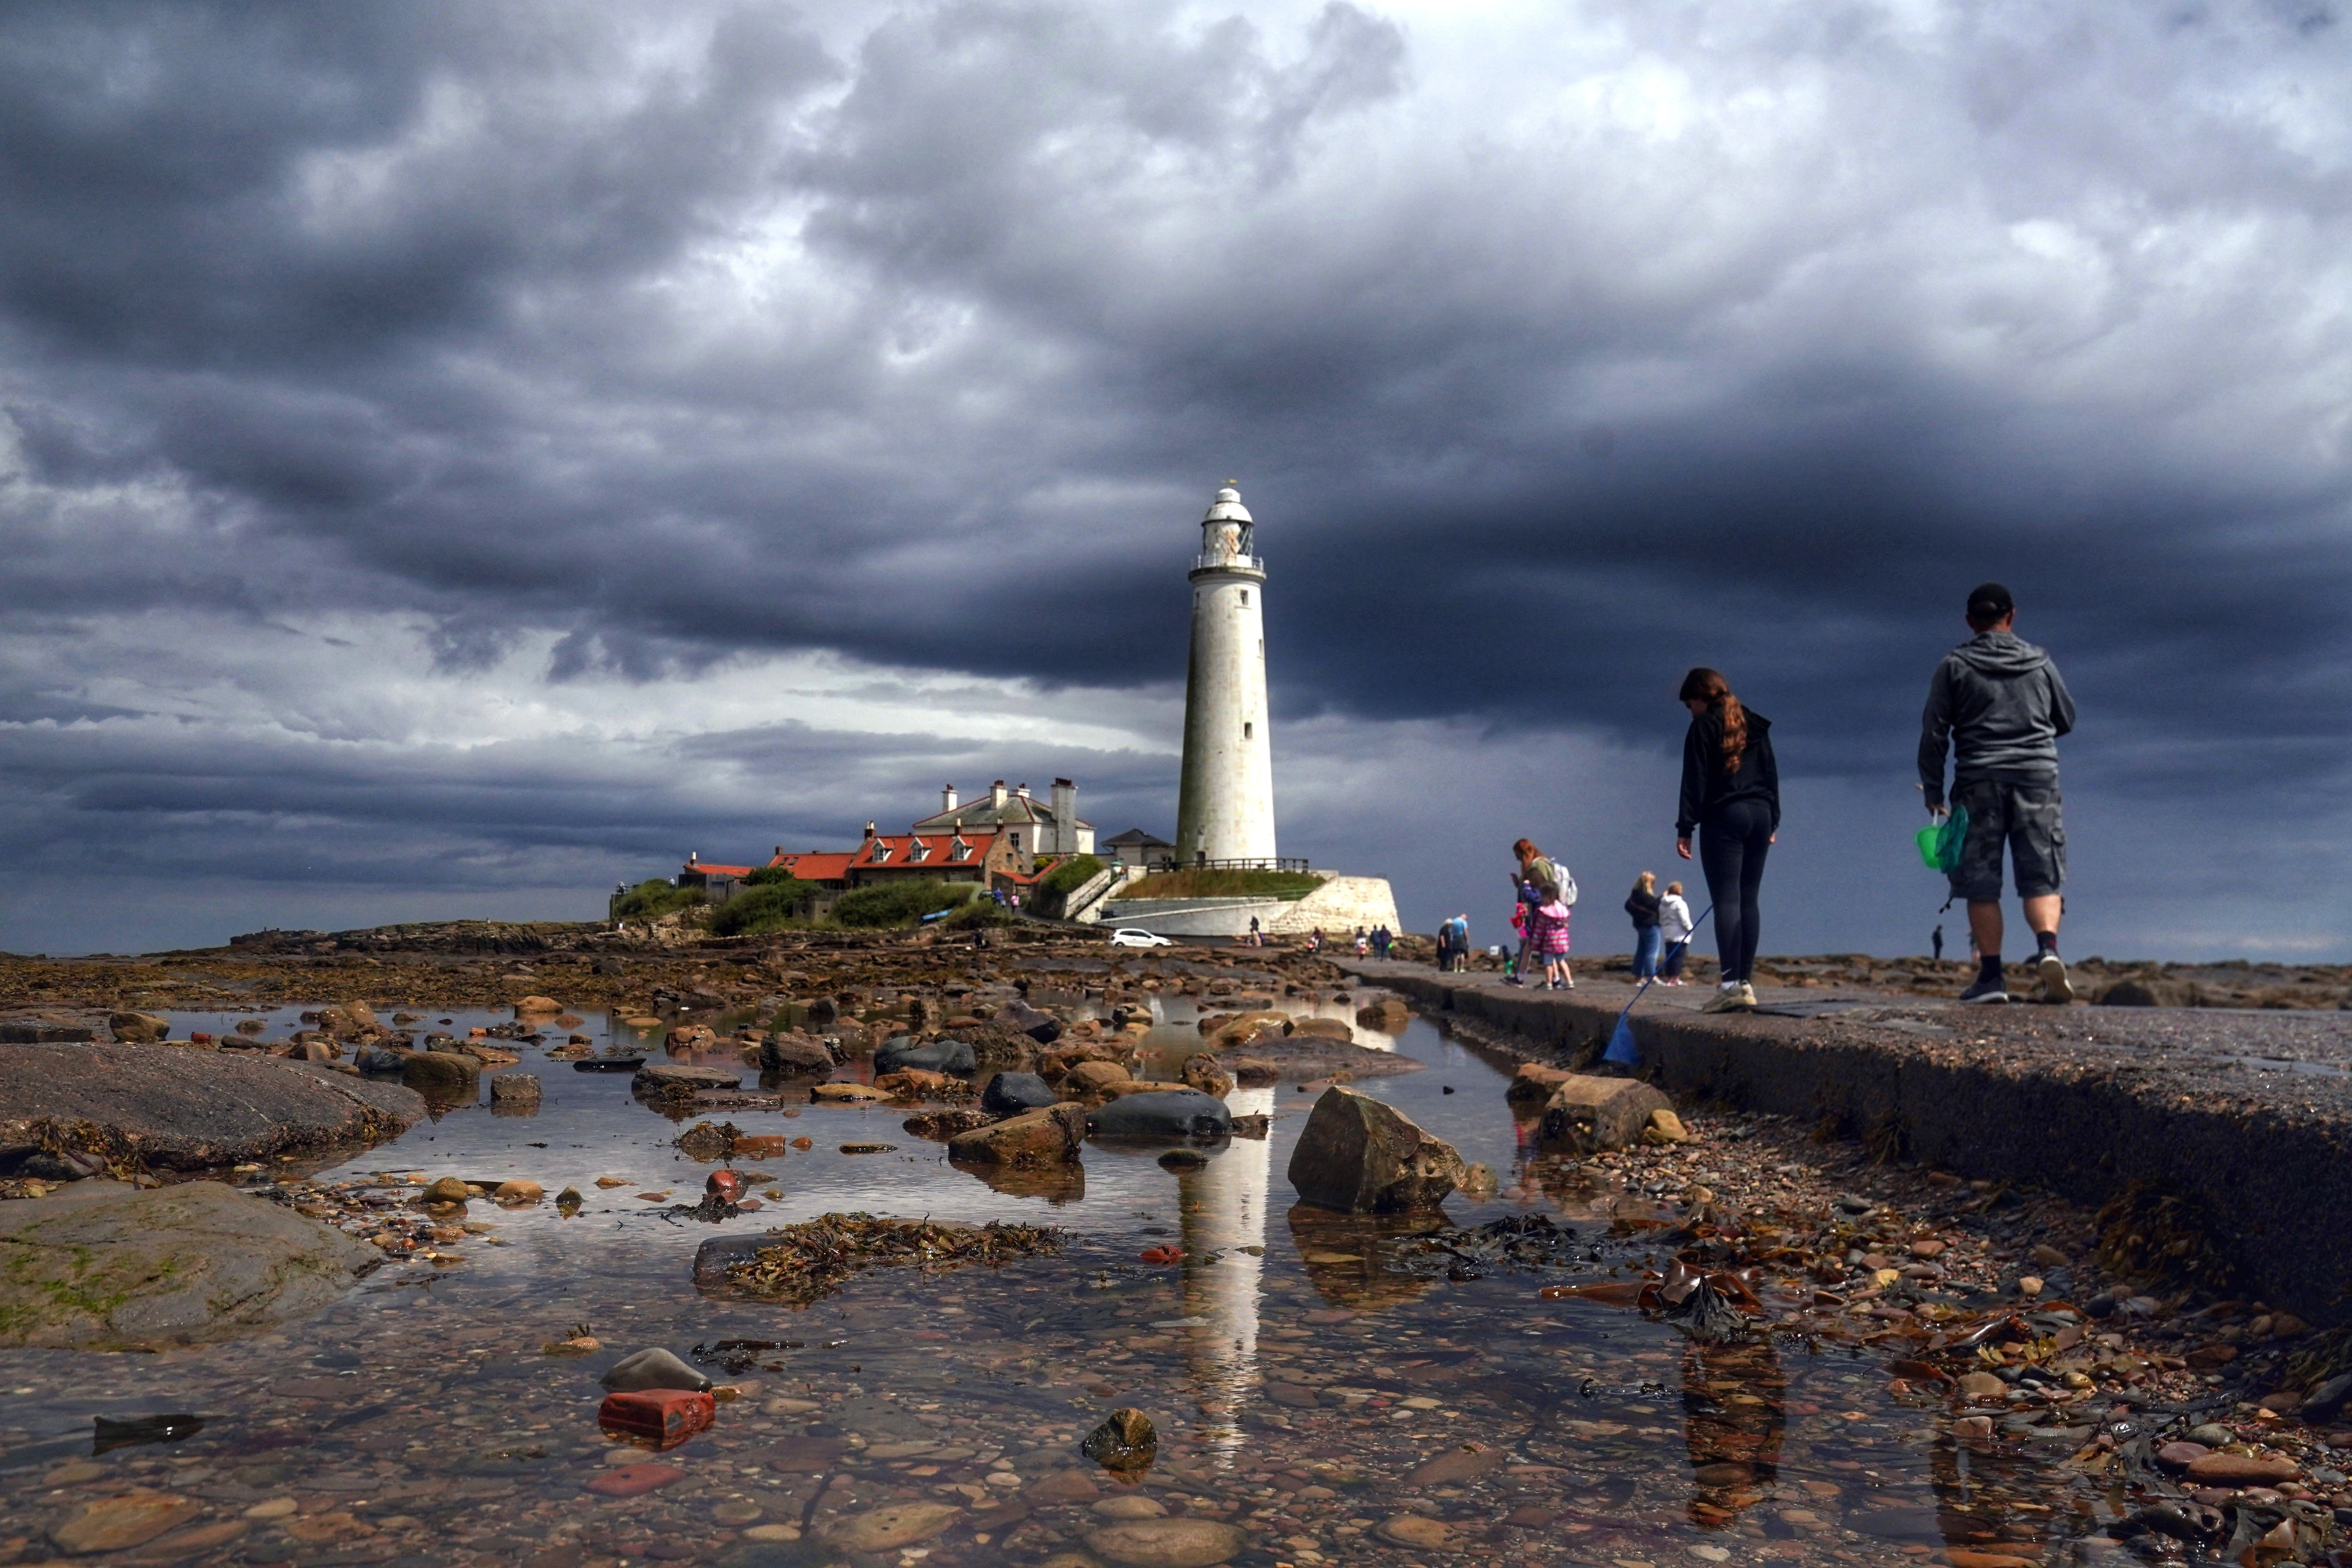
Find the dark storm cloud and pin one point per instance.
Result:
(1551, 362)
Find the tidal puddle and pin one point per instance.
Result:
(1335, 1389)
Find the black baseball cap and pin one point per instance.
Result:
(1989, 602)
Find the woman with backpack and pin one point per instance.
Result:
(1641, 903)
(1546, 892)
(1731, 796)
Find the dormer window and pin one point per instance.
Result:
(917, 851)
(959, 850)
(881, 850)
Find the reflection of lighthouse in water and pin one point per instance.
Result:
(1223, 1210)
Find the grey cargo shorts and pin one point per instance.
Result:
(2026, 817)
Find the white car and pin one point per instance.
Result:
(1128, 936)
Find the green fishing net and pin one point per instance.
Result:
(1939, 842)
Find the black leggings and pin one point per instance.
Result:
(1732, 845)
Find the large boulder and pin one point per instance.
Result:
(1202, 1073)
(183, 1110)
(101, 1266)
(1359, 1155)
(1039, 1026)
(1323, 1029)
(1047, 1137)
(1162, 1113)
(1389, 1014)
(793, 1052)
(935, 1056)
(1534, 1083)
(1249, 1029)
(378, 1060)
(138, 1029)
(1587, 1115)
(914, 1083)
(352, 1020)
(1093, 1077)
(515, 1094)
(1011, 1093)
(1054, 1065)
(662, 1078)
(996, 1044)
(441, 1074)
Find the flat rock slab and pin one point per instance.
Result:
(183, 1108)
(659, 1076)
(111, 1524)
(1304, 1058)
(101, 1266)
(1166, 1544)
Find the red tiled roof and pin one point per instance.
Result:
(834, 866)
(711, 869)
(897, 849)
(816, 866)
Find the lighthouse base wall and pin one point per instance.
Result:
(1337, 907)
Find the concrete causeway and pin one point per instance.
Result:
(2246, 1115)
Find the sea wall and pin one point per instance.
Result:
(2263, 1159)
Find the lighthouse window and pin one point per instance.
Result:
(1244, 595)
(1248, 729)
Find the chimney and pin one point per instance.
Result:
(996, 794)
(1023, 792)
(779, 854)
(869, 832)
(694, 857)
(1066, 817)
(947, 798)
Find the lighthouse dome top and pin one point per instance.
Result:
(1227, 508)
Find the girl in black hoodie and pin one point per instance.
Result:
(1731, 795)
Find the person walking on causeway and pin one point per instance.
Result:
(1641, 903)
(1998, 704)
(1731, 795)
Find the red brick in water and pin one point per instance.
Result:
(667, 1415)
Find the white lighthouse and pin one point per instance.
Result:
(1224, 810)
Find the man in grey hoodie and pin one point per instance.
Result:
(1997, 701)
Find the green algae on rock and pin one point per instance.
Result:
(101, 1266)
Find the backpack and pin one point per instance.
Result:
(1563, 885)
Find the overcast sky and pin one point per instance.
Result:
(455, 458)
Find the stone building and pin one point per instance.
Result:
(1039, 827)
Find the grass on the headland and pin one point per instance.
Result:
(1214, 884)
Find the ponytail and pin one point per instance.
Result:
(1704, 685)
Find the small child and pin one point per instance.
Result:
(1673, 930)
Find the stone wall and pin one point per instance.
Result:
(1339, 906)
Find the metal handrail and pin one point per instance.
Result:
(1208, 558)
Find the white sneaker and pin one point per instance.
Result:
(2055, 988)
(1730, 999)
